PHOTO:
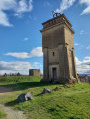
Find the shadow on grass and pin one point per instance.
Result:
(15, 102)
(12, 103)
(26, 85)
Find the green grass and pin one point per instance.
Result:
(2, 114)
(67, 103)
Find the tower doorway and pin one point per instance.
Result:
(54, 73)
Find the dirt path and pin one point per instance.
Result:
(11, 114)
(4, 90)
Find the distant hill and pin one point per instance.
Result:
(83, 74)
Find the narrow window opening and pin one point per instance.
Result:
(53, 54)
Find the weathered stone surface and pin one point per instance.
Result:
(57, 88)
(34, 72)
(67, 85)
(58, 50)
(46, 90)
(25, 96)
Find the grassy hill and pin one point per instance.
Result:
(67, 103)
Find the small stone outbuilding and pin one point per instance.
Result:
(34, 72)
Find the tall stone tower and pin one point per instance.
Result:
(58, 49)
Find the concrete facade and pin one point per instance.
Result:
(58, 49)
(34, 72)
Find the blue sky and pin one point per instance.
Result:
(21, 40)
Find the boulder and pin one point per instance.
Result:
(25, 96)
(46, 90)
(57, 88)
(67, 85)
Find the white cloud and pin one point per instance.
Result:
(37, 65)
(25, 39)
(88, 47)
(87, 9)
(21, 55)
(4, 6)
(46, 4)
(65, 4)
(23, 6)
(79, 46)
(36, 52)
(81, 32)
(76, 44)
(87, 58)
(13, 67)
(77, 61)
(83, 67)
(18, 7)
(4, 19)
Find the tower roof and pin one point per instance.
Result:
(56, 21)
(61, 15)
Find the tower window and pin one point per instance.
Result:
(53, 54)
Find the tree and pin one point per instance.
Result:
(5, 74)
(18, 74)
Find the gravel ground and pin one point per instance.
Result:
(12, 114)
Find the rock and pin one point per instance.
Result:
(67, 85)
(46, 90)
(57, 88)
(25, 96)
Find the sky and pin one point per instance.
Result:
(21, 40)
